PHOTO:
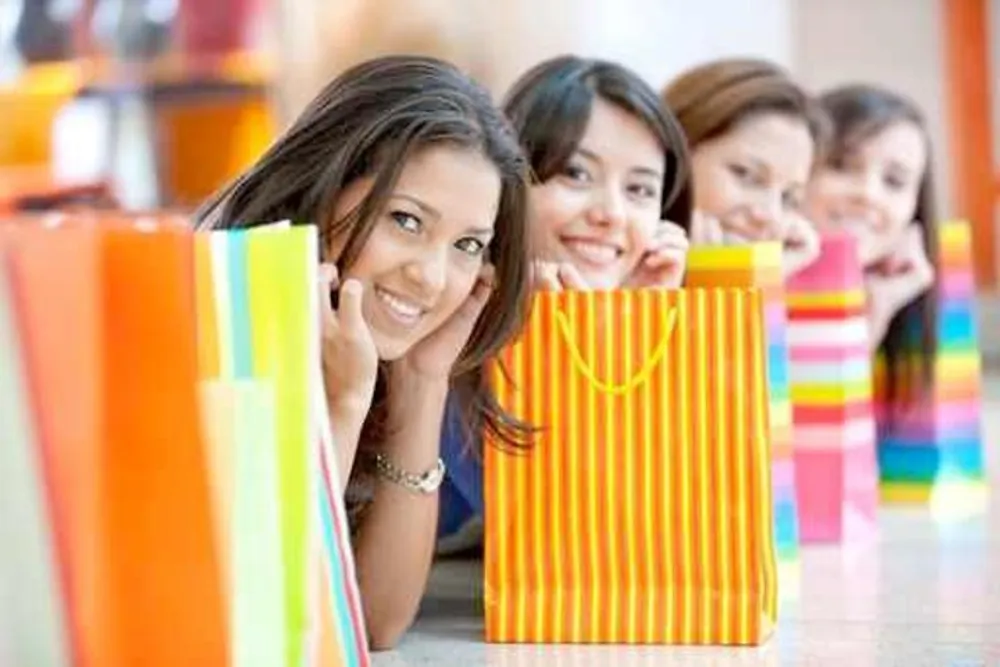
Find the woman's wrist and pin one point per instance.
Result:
(415, 413)
(347, 415)
(878, 318)
(409, 387)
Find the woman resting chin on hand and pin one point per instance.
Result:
(610, 206)
(754, 137)
(419, 189)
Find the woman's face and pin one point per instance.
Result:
(753, 177)
(872, 190)
(601, 211)
(427, 247)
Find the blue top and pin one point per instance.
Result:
(462, 490)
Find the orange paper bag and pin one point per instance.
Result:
(107, 324)
(760, 265)
(642, 512)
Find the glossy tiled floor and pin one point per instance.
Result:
(926, 593)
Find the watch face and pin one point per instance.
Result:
(432, 480)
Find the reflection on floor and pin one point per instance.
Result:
(925, 593)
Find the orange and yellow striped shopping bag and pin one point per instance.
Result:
(642, 513)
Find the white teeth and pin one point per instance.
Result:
(595, 253)
(403, 310)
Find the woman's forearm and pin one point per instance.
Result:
(346, 424)
(878, 326)
(394, 544)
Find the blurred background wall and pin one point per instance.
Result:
(897, 43)
(497, 41)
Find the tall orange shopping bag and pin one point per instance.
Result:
(107, 312)
(642, 512)
(760, 265)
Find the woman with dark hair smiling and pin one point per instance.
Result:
(877, 183)
(610, 204)
(419, 190)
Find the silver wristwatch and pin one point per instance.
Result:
(425, 483)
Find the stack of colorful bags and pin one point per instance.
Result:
(932, 449)
(166, 463)
(832, 396)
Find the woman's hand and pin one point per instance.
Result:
(556, 277)
(897, 280)
(350, 359)
(801, 244)
(799, 238)
(434, 356)
(706, 230)
(664, 263)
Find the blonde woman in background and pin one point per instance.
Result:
(755, 136)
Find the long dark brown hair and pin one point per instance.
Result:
(858, 112)
(367, 123)
(550, 106)
(713, 97)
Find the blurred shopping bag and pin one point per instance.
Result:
(294, 596)
(104, 315)
(33, 617)
(642, 513)
(831, 380)
(166, 450)
(930, 446)
(760, 265)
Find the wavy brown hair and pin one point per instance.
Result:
(713, 97)
(550, 106)
(857, 113)
(367, 123)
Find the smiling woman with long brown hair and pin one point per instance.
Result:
(755, 137)
(418, 187)
(877, 184)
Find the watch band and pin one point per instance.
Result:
(424, 483)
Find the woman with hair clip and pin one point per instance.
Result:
(418, 187)
(755, 136)
(876, 182)
(610, 203)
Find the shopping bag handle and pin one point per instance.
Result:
(587, 370)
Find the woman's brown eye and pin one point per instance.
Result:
(575, 173)
(895, 182)
(745, 175)
(739, 171)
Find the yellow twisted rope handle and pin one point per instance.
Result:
(585, 369)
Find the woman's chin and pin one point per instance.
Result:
(390, 348)
(596, 279)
